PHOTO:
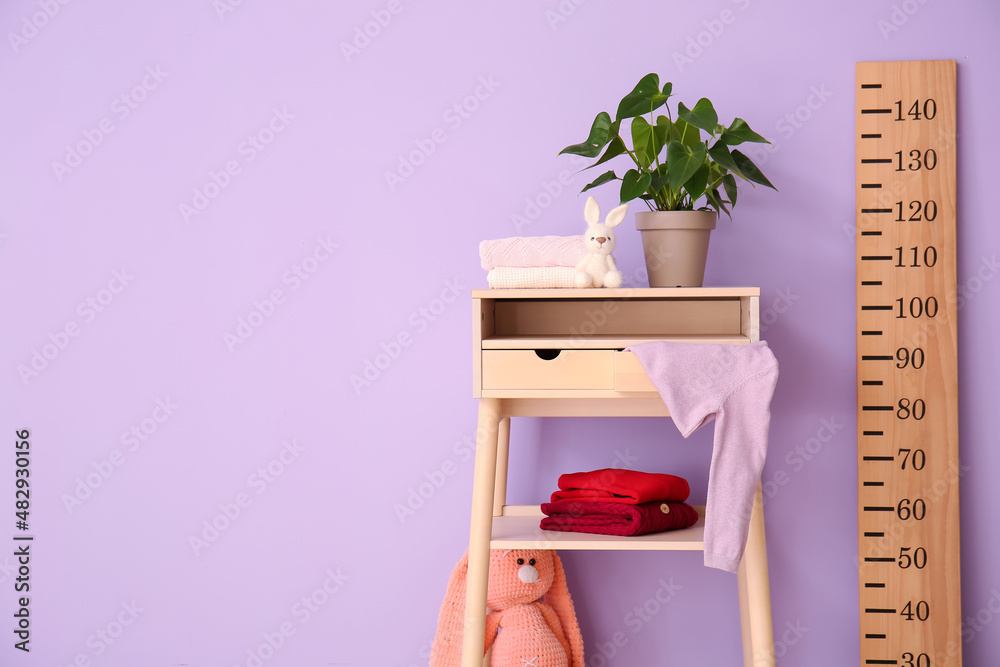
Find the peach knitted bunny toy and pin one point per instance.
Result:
(521, 628)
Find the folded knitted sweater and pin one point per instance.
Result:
(617, 518)
(619, 485)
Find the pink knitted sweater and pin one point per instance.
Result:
(732, 384)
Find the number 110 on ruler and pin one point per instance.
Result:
(908, 519)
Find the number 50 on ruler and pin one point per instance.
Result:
(908, 520)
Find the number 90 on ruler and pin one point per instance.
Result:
(908, 517)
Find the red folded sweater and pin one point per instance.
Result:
(617, 518)
(617, 485)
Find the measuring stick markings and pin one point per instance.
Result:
(907, 367)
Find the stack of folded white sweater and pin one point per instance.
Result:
(532, 261)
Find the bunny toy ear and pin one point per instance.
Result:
(447, 648)
(591, 211)
(558, 598)
(616, 216)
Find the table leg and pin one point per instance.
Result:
(755, 595)
(503, 455)
(479, 534)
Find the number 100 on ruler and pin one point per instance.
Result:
(908, 532)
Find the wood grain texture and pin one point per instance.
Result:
(887, 191)
(591, 377)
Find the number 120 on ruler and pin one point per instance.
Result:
(908, 520)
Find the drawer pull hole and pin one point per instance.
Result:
(547, 355)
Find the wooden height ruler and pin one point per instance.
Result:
(908, 521)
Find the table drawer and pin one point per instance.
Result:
(629, 375)
(548, 369)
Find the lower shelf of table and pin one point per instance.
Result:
(519, 529)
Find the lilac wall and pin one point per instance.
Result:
(224, 251)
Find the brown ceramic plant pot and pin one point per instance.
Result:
(675, 245)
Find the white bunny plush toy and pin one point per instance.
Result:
(597, 268)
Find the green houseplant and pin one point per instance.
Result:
(685, 179)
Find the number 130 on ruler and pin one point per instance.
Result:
(908, 519)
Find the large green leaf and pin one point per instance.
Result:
(687, 134)
(600, 180)
(722, 202)
(658, 179)
(729, 182)
(720, 153)
(739, 132)
(599, 135)
(615, 148)
(696, 184)
(748, 169)
(642, 141)
(633, 185)
(702, 115)
(661, 133)
(715, 201)
(645, 97)
(682, 162)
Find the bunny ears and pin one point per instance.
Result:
(592, 213)
(447, 648)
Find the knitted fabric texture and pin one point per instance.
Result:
(507, 277)
(618, 485)
(733, 385)
(617, 518)
(522, 627)
(532, 251)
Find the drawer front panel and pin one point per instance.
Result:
(629, 375)
(570, 369)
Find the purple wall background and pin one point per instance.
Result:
(404, 263)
